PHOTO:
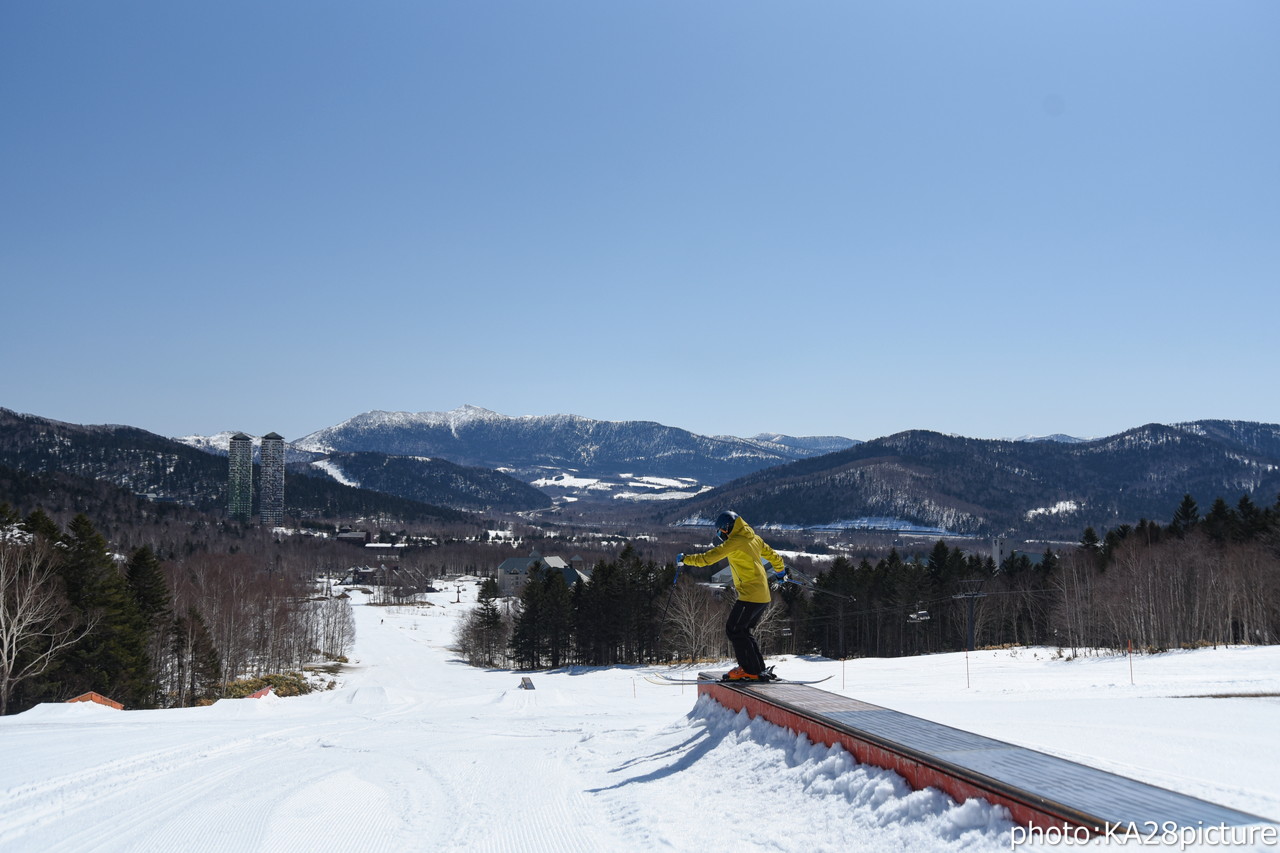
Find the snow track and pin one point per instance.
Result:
(421, 753)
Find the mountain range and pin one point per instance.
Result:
(568, 456)
(926, 480)
(475, 460)
(69, 456)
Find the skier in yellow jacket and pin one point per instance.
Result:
(753, 564)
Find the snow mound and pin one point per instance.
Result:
(64, 711)
(842, 791)
(240, 708)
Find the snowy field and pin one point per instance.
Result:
(418, 752)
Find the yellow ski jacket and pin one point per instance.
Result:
(745, 552)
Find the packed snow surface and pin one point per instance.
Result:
(415, 751)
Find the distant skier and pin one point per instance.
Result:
(754, 565)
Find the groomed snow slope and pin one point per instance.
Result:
(417, 751)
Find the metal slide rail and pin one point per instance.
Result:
(1039, 790)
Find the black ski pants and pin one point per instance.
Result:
(743, 619)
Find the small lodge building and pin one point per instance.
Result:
(513, 572)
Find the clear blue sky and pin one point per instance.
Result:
(984, 218)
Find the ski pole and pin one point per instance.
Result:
(808, 583)
(665, 610)
(679, 566)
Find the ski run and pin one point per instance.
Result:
(415, 751)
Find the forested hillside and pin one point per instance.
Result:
(171, 472)
(1009, 488)
(435, 481)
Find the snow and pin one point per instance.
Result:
(659, 482)
(628, 481)
(216, 443)
(417, 751)
(1060, 508)
(659, 496)
(568, 481)
(331, 468)
(791, 556)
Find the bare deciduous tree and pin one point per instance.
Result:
(336, 628)
(36, 622)
(695, 622)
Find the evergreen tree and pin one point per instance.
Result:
(1253, 521)
(1185, 518)
(112, 658)
(39, 524)
(1113, 539)
(557, 617)
(150, 592)
(1149, 532)
(598, 631)
(148, 586)
(1221, 523)
(490, 626)
(528, 637)
(832, 612)
(939, 563)
(634, 604)
(197, 671)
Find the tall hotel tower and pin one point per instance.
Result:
(272, 479)
(240, 478)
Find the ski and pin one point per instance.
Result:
(659, 678)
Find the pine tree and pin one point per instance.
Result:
(1186, 517)
(150, 593)
(832, 614)
(1221, 523)
(40, 525)
(939, 563)
(556, 617)
(112, 659)
(633, 605)
(489, 626)
(1253, 520)
(148, 585)
(528, 640)
(600, 616)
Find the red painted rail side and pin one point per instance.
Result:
(918, 773)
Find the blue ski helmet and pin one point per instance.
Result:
(724, 524)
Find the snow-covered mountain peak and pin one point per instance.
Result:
(217, 443)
